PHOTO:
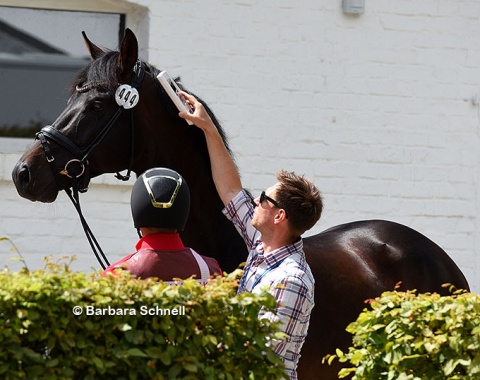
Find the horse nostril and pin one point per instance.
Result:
(23, 175)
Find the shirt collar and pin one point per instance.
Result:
(279, 254)
(161, 242)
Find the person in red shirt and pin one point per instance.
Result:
(160, 203)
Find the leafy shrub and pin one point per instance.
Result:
(218, 337)
(410, 336)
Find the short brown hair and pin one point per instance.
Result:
(301, 200)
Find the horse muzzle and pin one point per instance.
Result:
(43, 190)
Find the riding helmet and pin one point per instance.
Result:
(160, 198)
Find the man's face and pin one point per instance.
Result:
(265, 211)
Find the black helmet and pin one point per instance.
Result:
(160, 198)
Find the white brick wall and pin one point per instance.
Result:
(377, 109)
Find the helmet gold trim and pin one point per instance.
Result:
(160, 198)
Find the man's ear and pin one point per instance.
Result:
(280, 216)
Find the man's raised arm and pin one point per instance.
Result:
(224, 172)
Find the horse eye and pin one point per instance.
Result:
(97, 106)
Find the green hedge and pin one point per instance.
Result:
(216, 333)
(410, 336)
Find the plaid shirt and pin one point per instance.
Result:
(285, 273)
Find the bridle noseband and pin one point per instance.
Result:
(77, 168)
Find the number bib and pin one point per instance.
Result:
(126, 96)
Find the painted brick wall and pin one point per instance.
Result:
(380, 110)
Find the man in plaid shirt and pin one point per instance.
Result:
(271, 226)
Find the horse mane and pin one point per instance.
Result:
(101, 73)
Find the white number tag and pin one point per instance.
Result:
(126, 96)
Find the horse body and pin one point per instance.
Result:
(350, 263)
(357, 261)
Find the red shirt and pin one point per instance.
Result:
(163, 256)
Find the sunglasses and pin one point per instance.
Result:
(264, 197)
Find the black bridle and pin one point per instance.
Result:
(77, 168)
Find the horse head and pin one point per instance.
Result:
(118, 117)
(94, 134)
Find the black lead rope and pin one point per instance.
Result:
(75, 198)
(97, 250)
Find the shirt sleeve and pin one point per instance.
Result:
(294, 305)
(240, 212)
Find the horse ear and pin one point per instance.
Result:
(94, 50)
(128, 52)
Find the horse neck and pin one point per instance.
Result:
(181, 147)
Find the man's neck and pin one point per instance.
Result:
(271, 243)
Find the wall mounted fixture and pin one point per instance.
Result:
(354, 7)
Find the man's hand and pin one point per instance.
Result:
(199, 117)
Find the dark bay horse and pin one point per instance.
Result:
(351, 262)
